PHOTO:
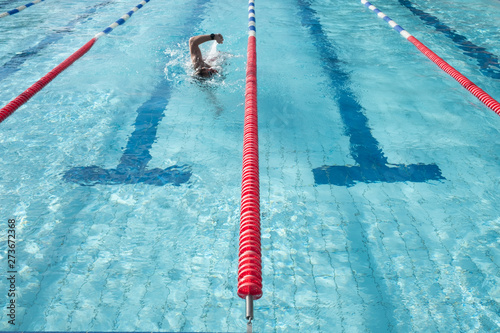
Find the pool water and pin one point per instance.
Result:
(379, 172)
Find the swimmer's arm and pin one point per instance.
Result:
(197, 40)
(194, 48)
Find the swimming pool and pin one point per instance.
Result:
(338, 90)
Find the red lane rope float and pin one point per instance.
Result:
(250, 267)
(40, 84)
(464, 81)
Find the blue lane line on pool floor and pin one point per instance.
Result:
(14, 64)
(132, 168)
(364, 148)
(488, 62)
(378, 311)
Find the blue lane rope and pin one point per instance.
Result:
(18, 9)
(387, 19)
(121, 20)
(252, 31)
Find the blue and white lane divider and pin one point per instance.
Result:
(386, 18)
(18, 9)
(121, 20)
(252, 31)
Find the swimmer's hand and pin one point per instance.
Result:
(219, 39)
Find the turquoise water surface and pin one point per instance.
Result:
(379, 172)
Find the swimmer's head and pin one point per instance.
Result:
(205, 71)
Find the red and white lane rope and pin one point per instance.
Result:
(464, 81)
(250, 267)
(40, 84)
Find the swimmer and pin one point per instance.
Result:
(202, 68)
